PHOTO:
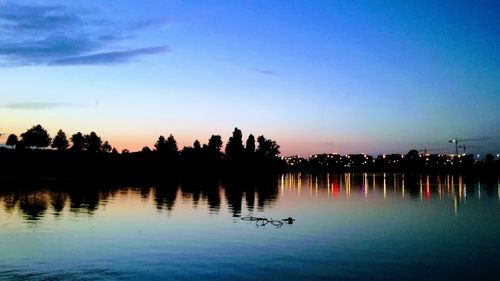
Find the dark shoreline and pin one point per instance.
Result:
(143, 167)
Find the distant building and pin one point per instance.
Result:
(326, 161)
(294, 161)
(359, 160)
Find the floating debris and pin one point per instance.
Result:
(259, 221)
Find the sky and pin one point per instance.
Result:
(316, 76)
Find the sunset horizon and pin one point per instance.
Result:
(317, 77)
(250, 140)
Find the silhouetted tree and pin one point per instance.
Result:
(215, 143)
(267, 148)
(212, 155)
(146, 150)
(78, 141)
(93, 142)
(413, 154)
(171, 145)
(60, 141)
(195, 150)
(11, 140)
(489, 158)
(191, 155)
(36, 137)
(106, 147)
(234, 146)
(412, 160)
(250, 145)
(197, 145)
(160, 144)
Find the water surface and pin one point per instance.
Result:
(348, 227)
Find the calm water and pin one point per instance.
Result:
(348, 227)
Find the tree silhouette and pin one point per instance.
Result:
(412, 160)
(167, 147)
(36, 137)
(234, 146)
(215, 143)
(197, 145)
(207, 159)
(212, 155)
(160, 144)
(60, 141)
(11, 140)
(250, 145)
(267, 148)
(78, 141)
(171, 145)
(413, 154)
(191, 155)
(93, 142)
(489, 158)
(106, 147)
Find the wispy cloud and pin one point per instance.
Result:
(109, 57)
(58, 35)
(232, 61)
(36, 105)
(266, 72)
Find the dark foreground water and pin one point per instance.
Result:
(348, 227)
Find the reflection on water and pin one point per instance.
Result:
(422, 187)
(348, 226)
(35, 203)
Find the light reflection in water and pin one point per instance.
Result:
(365, 185)
(421, 186)
(394, 181)
(429, 187)
(316, 186)
(373, 182)
(376, 220)
(478, 183)
(385, 186)
(403, 185)
(440, 187)
(35, 204)
(348, 185)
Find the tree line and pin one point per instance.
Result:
(37, 138)
(87, 151)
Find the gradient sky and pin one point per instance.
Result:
(316, 76)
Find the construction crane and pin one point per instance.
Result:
(456, 141)
(468, 146)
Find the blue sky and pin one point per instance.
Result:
(317, 76)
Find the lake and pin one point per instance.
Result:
(347, 227)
